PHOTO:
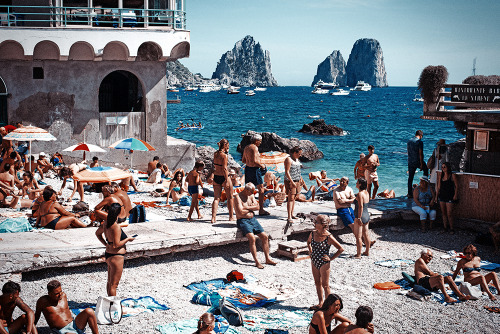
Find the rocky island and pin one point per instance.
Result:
(319, 127)
(332, 69)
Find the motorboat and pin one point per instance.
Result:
(173, 89)
(325, 85)
(190, 88)
(340, 91)
(362, 86)
(318, 90)
(418, 98)
(314, 116)
(233, 90)
(249, 93)
(260, 89)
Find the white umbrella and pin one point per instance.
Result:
(30, 133)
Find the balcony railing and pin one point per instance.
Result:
(51, 16)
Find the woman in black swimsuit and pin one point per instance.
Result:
(221, 179)
(447, 193)
(114, 239)
(321, 320)
(52, 215)
(361, 231)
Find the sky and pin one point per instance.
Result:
(300, 34)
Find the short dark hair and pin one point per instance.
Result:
(156, 157)
(6, 167)
(364, 315)
(95, 158)
(371, 147)
(52, 285)
(13, 155)
(198, 164)
(10, 287)
(362, 183)
(158, 165)
(65, 171)
(295, 149)
(113, 213)
(47, 193)
(419, 133)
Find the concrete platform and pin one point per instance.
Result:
(29, 251)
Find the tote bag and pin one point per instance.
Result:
(108, 310)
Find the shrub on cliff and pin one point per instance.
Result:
(431, 80)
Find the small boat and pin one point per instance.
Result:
(190, 88)
(318, 90)
(418, 98)
(173, 89)
(362, 86)
(314, 116)
(190, 128)
(233, 90)
(260, 89)
(249, 93)
(340, 91)
(325, 85)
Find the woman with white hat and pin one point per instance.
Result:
(423, 198)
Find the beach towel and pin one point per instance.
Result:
(238, 295)
(191, 325)
(15, 225)
(131, 307)
(285, 320)
(386, 286)
(487, 265)
(395, 263)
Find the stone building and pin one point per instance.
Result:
(93, 70)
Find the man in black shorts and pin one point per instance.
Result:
(253, 169)
(244, 205)
(433, 281)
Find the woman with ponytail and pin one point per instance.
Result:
(221, 179)
(206, 324)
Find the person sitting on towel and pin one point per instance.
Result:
(364, 317)
(55, 309)
(433, 281)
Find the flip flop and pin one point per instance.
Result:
(494, 309)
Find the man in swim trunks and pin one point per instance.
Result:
(433, 281)
(359, 168)
(9, 300)
(371, 164)
(123, 196)
(101, 209)
(253, 173)
(7, 187)
(244, 206)
(343, 196)
(55, 309)
(194, 180)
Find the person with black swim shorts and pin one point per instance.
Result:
(194, 180)
(254, 168)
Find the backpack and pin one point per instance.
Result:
(137, 215)
(230, 312)
(235, 276)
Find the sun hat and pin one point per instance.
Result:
(42, 154)
(362, 155)
(424, 178)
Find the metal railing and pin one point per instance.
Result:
(51, 16)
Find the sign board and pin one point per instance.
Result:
(475, 93)
(434, 118)
(473, 185)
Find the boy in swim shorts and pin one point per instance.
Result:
(194, 181)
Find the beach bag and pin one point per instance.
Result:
(235, 276)
(469, 290)
(431, 162)
(206, 298)
(185, 201)
(81, 206)
(230, 312)
(108, 310)
(279, 198)
(137, 215)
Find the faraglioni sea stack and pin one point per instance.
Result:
(247, 64)
(366, 63)
(332, 69)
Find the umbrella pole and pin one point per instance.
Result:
(131, 154)
(30, 156)
(83, 155)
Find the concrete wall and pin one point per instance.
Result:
(478, 197)
(66, 102)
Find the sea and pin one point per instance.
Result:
(383, 117)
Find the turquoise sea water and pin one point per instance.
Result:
(383, 117)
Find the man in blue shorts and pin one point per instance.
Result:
(343, 196)
(244, 206)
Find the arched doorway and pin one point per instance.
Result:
(121, 107)
(4, 115)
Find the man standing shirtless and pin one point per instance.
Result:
(8, 302)
(244, 205)
(251, 158)
(343, 196)
(371, 164)
(100, 210)
(55, 309)
(7, 186)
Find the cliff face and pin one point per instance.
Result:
(178, 74)
(366, 63)
(247, 64)
(332, 69)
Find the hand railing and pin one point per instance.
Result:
(51, 16)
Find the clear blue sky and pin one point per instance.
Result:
(301, 34)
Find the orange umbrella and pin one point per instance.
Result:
(274, 161)
(101, 174)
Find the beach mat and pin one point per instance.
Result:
(131, 306)
(282, 321)
(397, 263)
(191, 325)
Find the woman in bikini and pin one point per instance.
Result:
(30, 186)
(52, 215)
(361, 231)
(447, 194)
(221, 179)
(319, 243)
(471, 266)
(112, 236)
(322, 318)
(175, 190)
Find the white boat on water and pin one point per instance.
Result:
(318, 90)
(249, 93)
(362, 86)
(340, 91)
(260, 89)
(418, 98)
(314, 116)
(190, 88)
(325, 85)
(233, 90)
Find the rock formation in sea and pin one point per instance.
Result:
(319, 127)
(206, 154)
(332, 69)
(366, 63)
(273, 142)
(247, 64)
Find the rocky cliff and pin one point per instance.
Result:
(178, 74)
(247, 64)
(366, 63)
(332, 69)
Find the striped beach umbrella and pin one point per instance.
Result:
(101, 174)
(274, 161)
(132, 144)
(85, 148)
(30, 133)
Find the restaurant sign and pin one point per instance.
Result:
(475, 93)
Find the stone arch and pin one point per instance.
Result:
(180, 50)
(115, 51)
(149, 51)
(4, 114)
(121, 91)
(11, 50)
(81, 51)
(46, 50)
(3, 87)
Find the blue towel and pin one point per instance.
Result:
(486, 265)
(15, 225)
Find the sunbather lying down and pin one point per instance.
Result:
(387, 194)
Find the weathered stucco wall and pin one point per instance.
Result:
(66, 102)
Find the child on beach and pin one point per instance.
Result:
(319, 243)
(206, 324)
(194, 180)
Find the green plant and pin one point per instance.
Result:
(431, 80)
